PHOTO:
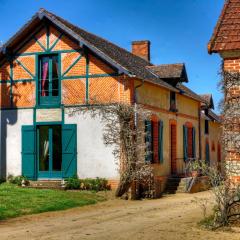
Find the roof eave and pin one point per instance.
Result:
(216, 29)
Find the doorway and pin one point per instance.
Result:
(49, 148)
(173, 148)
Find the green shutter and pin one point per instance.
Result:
(69, 150)
(148, 140)
(28, 152)
(185, 143)
(194, 142)
(160, 141)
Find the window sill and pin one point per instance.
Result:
(173, 110)
(48, 106)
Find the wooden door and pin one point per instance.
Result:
(173, 148)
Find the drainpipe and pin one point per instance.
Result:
(136, 185)
(135, 102)
(199, 132)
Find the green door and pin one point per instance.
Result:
(49, 139)
(29, 152)
(69, 150)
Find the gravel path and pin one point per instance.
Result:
(171, 217)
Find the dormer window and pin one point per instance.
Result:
(48, 83)
(173, 106)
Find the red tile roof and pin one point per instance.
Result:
(226, 34)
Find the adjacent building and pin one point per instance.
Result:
(226, 42)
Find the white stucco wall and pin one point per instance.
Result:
(11, 141)
(94, 159)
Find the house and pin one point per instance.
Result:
(226, 42)
(51, 66)
(210, 133)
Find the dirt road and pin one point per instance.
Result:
(172, 217)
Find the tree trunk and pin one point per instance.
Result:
(123, 187)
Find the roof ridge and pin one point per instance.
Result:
(104, 39)
(206, 94)
(166, 64)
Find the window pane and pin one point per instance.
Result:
(43, 148)
(172, 101)
(55, 76)
(44, 76)
(57, 148)
(190, 142)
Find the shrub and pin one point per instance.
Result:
(97, 184)
(207, 222)
(17, 180)
(73, 183)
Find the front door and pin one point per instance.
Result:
(49, 144)
(173, 148)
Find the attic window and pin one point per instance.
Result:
(173, 106)
(49, 80)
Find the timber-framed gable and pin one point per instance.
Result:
(83, 77)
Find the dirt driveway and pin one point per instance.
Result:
(172, 217)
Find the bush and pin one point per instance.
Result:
(17, 180)
(73, 183)
(97, 184)
(207, 222)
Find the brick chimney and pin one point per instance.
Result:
(141, 49)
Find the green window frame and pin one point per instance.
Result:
(49, 86)
(186, 142)
(148, 141)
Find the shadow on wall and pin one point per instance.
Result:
(7, 117)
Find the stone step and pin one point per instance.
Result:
(175, 185)
(46, 184)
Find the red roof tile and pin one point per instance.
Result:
(226, 34)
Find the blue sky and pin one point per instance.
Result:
(179, 30)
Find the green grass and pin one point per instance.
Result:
(16, 201)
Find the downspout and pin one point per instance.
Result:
(199, 132)
(136, 185)
(135, 102)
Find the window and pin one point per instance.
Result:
(206, 127)
(49, 91)
(189, 142)
(148, 141)
(173, 106)
(213, 146)
(154, 141)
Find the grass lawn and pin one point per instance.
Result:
(16, 201)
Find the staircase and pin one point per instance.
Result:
(46, 184)
(175, 184)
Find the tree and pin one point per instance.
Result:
(124, 129)
(226, 193)
(224, 187)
